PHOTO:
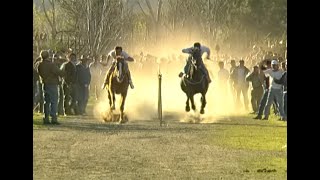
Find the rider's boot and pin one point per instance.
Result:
(181, 74)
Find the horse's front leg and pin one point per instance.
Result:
(122, 102)
(193, 106)
(113, 101)
(187, 104)
(203, 103)
(110, 99)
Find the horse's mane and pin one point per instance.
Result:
(117, 65)
(193, 60)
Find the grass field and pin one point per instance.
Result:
(232, 147)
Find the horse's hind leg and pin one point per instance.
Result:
(187, 104)
(203, 103)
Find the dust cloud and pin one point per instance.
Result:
(142, 101)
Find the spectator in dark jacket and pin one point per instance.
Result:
(238, 76)
(69, 84)
(266, 85)
(49, 74)
(83, 82)
(257, 88)
(58, 62)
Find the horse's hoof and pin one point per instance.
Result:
(123, 120)
(107, 117)
(187, 109)
(202, 111)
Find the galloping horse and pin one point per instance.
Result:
(118, 84)
(194, 82)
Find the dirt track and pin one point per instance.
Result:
(87, 149)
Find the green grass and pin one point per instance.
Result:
(38, 120)
(255, 148)
(262, 143)
(37, 117)
(254, 137)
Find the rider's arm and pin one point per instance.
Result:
(130, 59)
(127, 57)
(187, 50)
(207, 50)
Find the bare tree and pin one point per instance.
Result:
(97, 23)
(153, 17)
(51, 20)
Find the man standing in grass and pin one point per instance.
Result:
(49, 74)
(257, 88)
(276, 90)
(83, 82)
(241, 85)
(283, 81)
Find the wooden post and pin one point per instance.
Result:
(160, 99)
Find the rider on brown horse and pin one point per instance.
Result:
(115, 53)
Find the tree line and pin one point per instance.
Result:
(93, 26)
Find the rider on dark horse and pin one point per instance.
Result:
(197, 47)
(115, 54)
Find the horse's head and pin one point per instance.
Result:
(196, 53)
(119, 70)
(193, 61)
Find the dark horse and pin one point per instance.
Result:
(118, 84)
(194, 82)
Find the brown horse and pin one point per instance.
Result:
(118, 84)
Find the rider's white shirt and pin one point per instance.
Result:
(112, 53)
(203, 49)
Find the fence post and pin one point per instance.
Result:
(160, 99)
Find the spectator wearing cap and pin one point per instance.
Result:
(49, 74)
(257, 88)
(276, 91)
(83, 82)
(239, 78)
(283, 81)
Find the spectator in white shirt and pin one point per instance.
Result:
(276, 90)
